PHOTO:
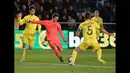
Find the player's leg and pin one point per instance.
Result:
(24, 41)
(96, 47)
(55, 50)
(59, 49)
(82, 46)
(31, 42)
(59, 45)
(74, 55)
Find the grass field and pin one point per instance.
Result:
(44, 61)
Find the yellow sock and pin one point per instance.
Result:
(23, 52)
(74, 54)
(99, 53)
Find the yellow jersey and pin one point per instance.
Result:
(98, 20)
(30, 28)
(100, 23)
(88, 28)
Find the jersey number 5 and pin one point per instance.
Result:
(90, 31)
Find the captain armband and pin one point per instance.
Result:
(79, 30)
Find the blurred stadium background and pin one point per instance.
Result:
(71, 15)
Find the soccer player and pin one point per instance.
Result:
(52, 29)
(29, 31)
(88, 29)
(99, 20)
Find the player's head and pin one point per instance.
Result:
(32, 9)
(96, 13)
(87, 15)
(55, 17)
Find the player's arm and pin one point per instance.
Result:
(79, 30)
(62, 35)
(39, 27)
(37, 22)
(103, 30)
(101, 23)
(21, 21)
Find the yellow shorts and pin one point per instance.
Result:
(94, 45)
(97, 33)
(28, 38)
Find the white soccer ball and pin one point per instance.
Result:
(69, 59)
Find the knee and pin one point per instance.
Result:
(61, 50)
(24, 45)
(23, 48)
(53, 47)
(30, 47)
(97, 49)
(77, 49)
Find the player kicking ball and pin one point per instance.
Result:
(88, 29)
(52, 29)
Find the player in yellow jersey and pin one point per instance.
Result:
(29, 31)
(99, 20)
(88, 29)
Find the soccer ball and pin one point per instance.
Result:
(69, 59)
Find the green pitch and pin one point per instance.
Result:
(44, 61)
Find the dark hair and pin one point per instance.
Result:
(55, 15)
(32, 7)
(97, 11)
(87, 15)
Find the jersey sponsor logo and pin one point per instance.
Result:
(104, 40)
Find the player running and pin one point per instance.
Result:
(29, 31)
(52, 29)
(88, 29)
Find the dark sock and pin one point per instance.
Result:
(61, 59)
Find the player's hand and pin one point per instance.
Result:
(77, 34)
(31, 21)
(111, 34)
(20, 14)
(66, 41)
(28, 20)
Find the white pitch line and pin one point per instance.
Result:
(79, 65)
